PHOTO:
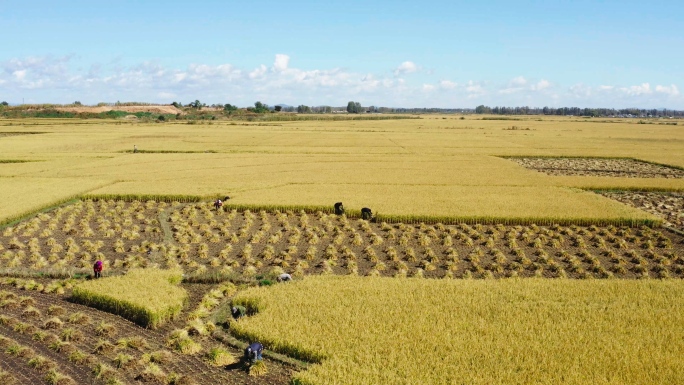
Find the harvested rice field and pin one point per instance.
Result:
(93, 347)
(618, 168)
(668, 205)
(205, 242)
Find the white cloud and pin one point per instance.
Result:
(643, 89)
(671, 90)
(541, 85)
(258, 72)
(448, 85)
(642, 95)
(518, 82)
(281, 62)
(515, 85)
(507, 91)
(428, 87)
(406, 67)
(474, 89)
(19, 74)
(60, 80)
(580, 91)
(166, 95)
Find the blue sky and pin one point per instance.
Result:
(388, 53)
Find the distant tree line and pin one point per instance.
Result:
(354, 107)
(577, 111)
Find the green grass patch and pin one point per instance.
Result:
(148, 297)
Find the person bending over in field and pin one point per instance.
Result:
(97, 269)
(218, 204)
(238, 311)
(284, 277)
(253, 352)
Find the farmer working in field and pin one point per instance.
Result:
(97, 269)
(238, 311)
(284, 277)
(253, 352)
(218, 204)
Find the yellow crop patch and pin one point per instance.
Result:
(24, 195)
(434, 166)
(148, 297)
(415, 331)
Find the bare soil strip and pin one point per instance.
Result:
(619, 168)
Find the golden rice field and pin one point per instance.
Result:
(436, 165)
(149, 297)
(454, 198)
(521, 331)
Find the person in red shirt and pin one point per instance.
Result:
(97, 269)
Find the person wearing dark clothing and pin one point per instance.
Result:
(253, 352)
(238, 311)
(366, 213)
(218, 204)
(339, 208)
(97, 269)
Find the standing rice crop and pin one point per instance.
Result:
(148, 297)
(410, 331)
